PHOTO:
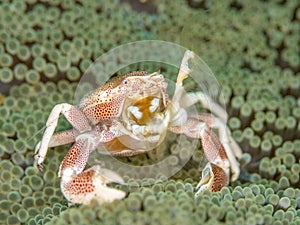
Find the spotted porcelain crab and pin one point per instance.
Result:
(131, 115)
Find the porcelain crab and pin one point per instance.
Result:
(131, 115)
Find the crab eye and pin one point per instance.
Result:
(125, 82)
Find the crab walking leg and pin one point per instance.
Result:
(216, 173)
(206, 101)
(77, 119)
(61, 138)
(232, 149)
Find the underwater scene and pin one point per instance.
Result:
(247, 60)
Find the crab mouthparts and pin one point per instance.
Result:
(144, 109)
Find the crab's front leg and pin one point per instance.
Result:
(232, 149)
(215, 175)
(77, 119)
(80, 186)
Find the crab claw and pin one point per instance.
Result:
(91, 184)
(213, 178)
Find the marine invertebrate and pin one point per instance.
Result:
(131, 115)
(253, 57)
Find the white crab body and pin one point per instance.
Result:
(130, 115)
